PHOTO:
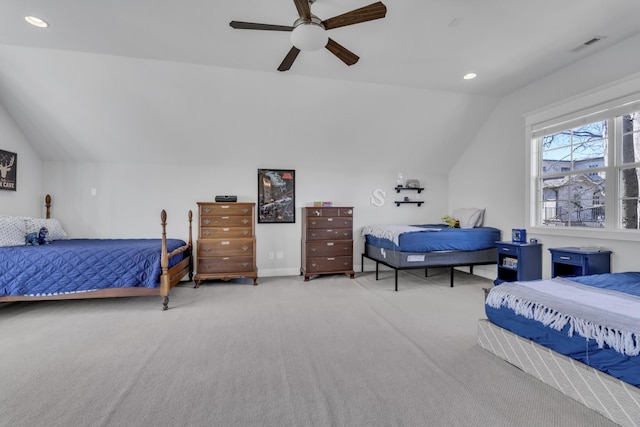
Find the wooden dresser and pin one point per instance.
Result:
(226, 246)
(327, 241)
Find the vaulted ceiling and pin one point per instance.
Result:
(427, 45)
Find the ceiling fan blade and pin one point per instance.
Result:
(356, 16)
(288, 60)
(255, 26)
(304, 10)
(344, 54)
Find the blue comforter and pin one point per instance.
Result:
(79, 265)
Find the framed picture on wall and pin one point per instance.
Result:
(276, 196)
(8, 170)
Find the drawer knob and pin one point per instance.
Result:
(206, 233)
(206, 249)
(245, 232)
(245, 264)
(206, 221)
(206, 210)
(245, 248)
(245, 210)
(329, 243)
(245, 221)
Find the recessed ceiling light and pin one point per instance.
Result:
(37, 22)
(469, 76)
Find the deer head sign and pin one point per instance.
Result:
(8, 171)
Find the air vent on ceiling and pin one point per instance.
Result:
(588, 43)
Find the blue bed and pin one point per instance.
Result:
(429, 245)
(606, 347)
(94, 268)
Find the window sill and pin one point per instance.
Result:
(588, 233)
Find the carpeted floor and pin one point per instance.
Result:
(328, 352)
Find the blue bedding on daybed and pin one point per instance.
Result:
(79, 265)
(438, 237)
(606, 359)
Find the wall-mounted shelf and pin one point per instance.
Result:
(418, 189)
(416, 202)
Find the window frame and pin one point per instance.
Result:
(595, 106)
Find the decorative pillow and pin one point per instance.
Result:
(469, 217)
(12, 231)
(56, 232)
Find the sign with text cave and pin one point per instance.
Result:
(8, 170)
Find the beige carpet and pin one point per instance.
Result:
(329, 352)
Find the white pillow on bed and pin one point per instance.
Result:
(469, 217)
(56, 232)
(12, 231)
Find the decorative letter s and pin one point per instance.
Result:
(377, 197)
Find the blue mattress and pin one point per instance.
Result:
(79, 265)
(439, 237)
(606, 359)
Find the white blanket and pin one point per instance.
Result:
(608, 317)
(392, 232)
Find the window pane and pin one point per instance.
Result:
(629, 198)
(631, 138)
(556, 161)
(590, 132)
(589, 155)
(575, 200)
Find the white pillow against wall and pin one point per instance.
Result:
(56, 232)
(13, 231)
(469, 217)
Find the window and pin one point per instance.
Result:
(587, 170)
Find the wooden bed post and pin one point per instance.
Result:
(47, 203)
(164, 263)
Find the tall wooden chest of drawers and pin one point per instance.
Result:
(327, 241)
(226, 246)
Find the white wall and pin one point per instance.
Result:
(491, 172)
(27, 199)
(344, 141)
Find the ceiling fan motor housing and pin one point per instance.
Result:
(309, 35)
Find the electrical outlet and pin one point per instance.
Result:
(270, 255)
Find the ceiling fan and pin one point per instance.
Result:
(309, 32)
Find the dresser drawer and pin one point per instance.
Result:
(330, 249)
(225, 247)
(330, 222)
(225, 232)
(345, 212)
(329, 234)
(329, 264)
(241, 209)
(225, 264)
(225, 221)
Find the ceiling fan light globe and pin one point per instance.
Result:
(309, 36)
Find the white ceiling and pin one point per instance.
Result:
(426, 44)
(136, 76)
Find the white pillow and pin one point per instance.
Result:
(469, 217)
(13, 230)
(56, 232)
